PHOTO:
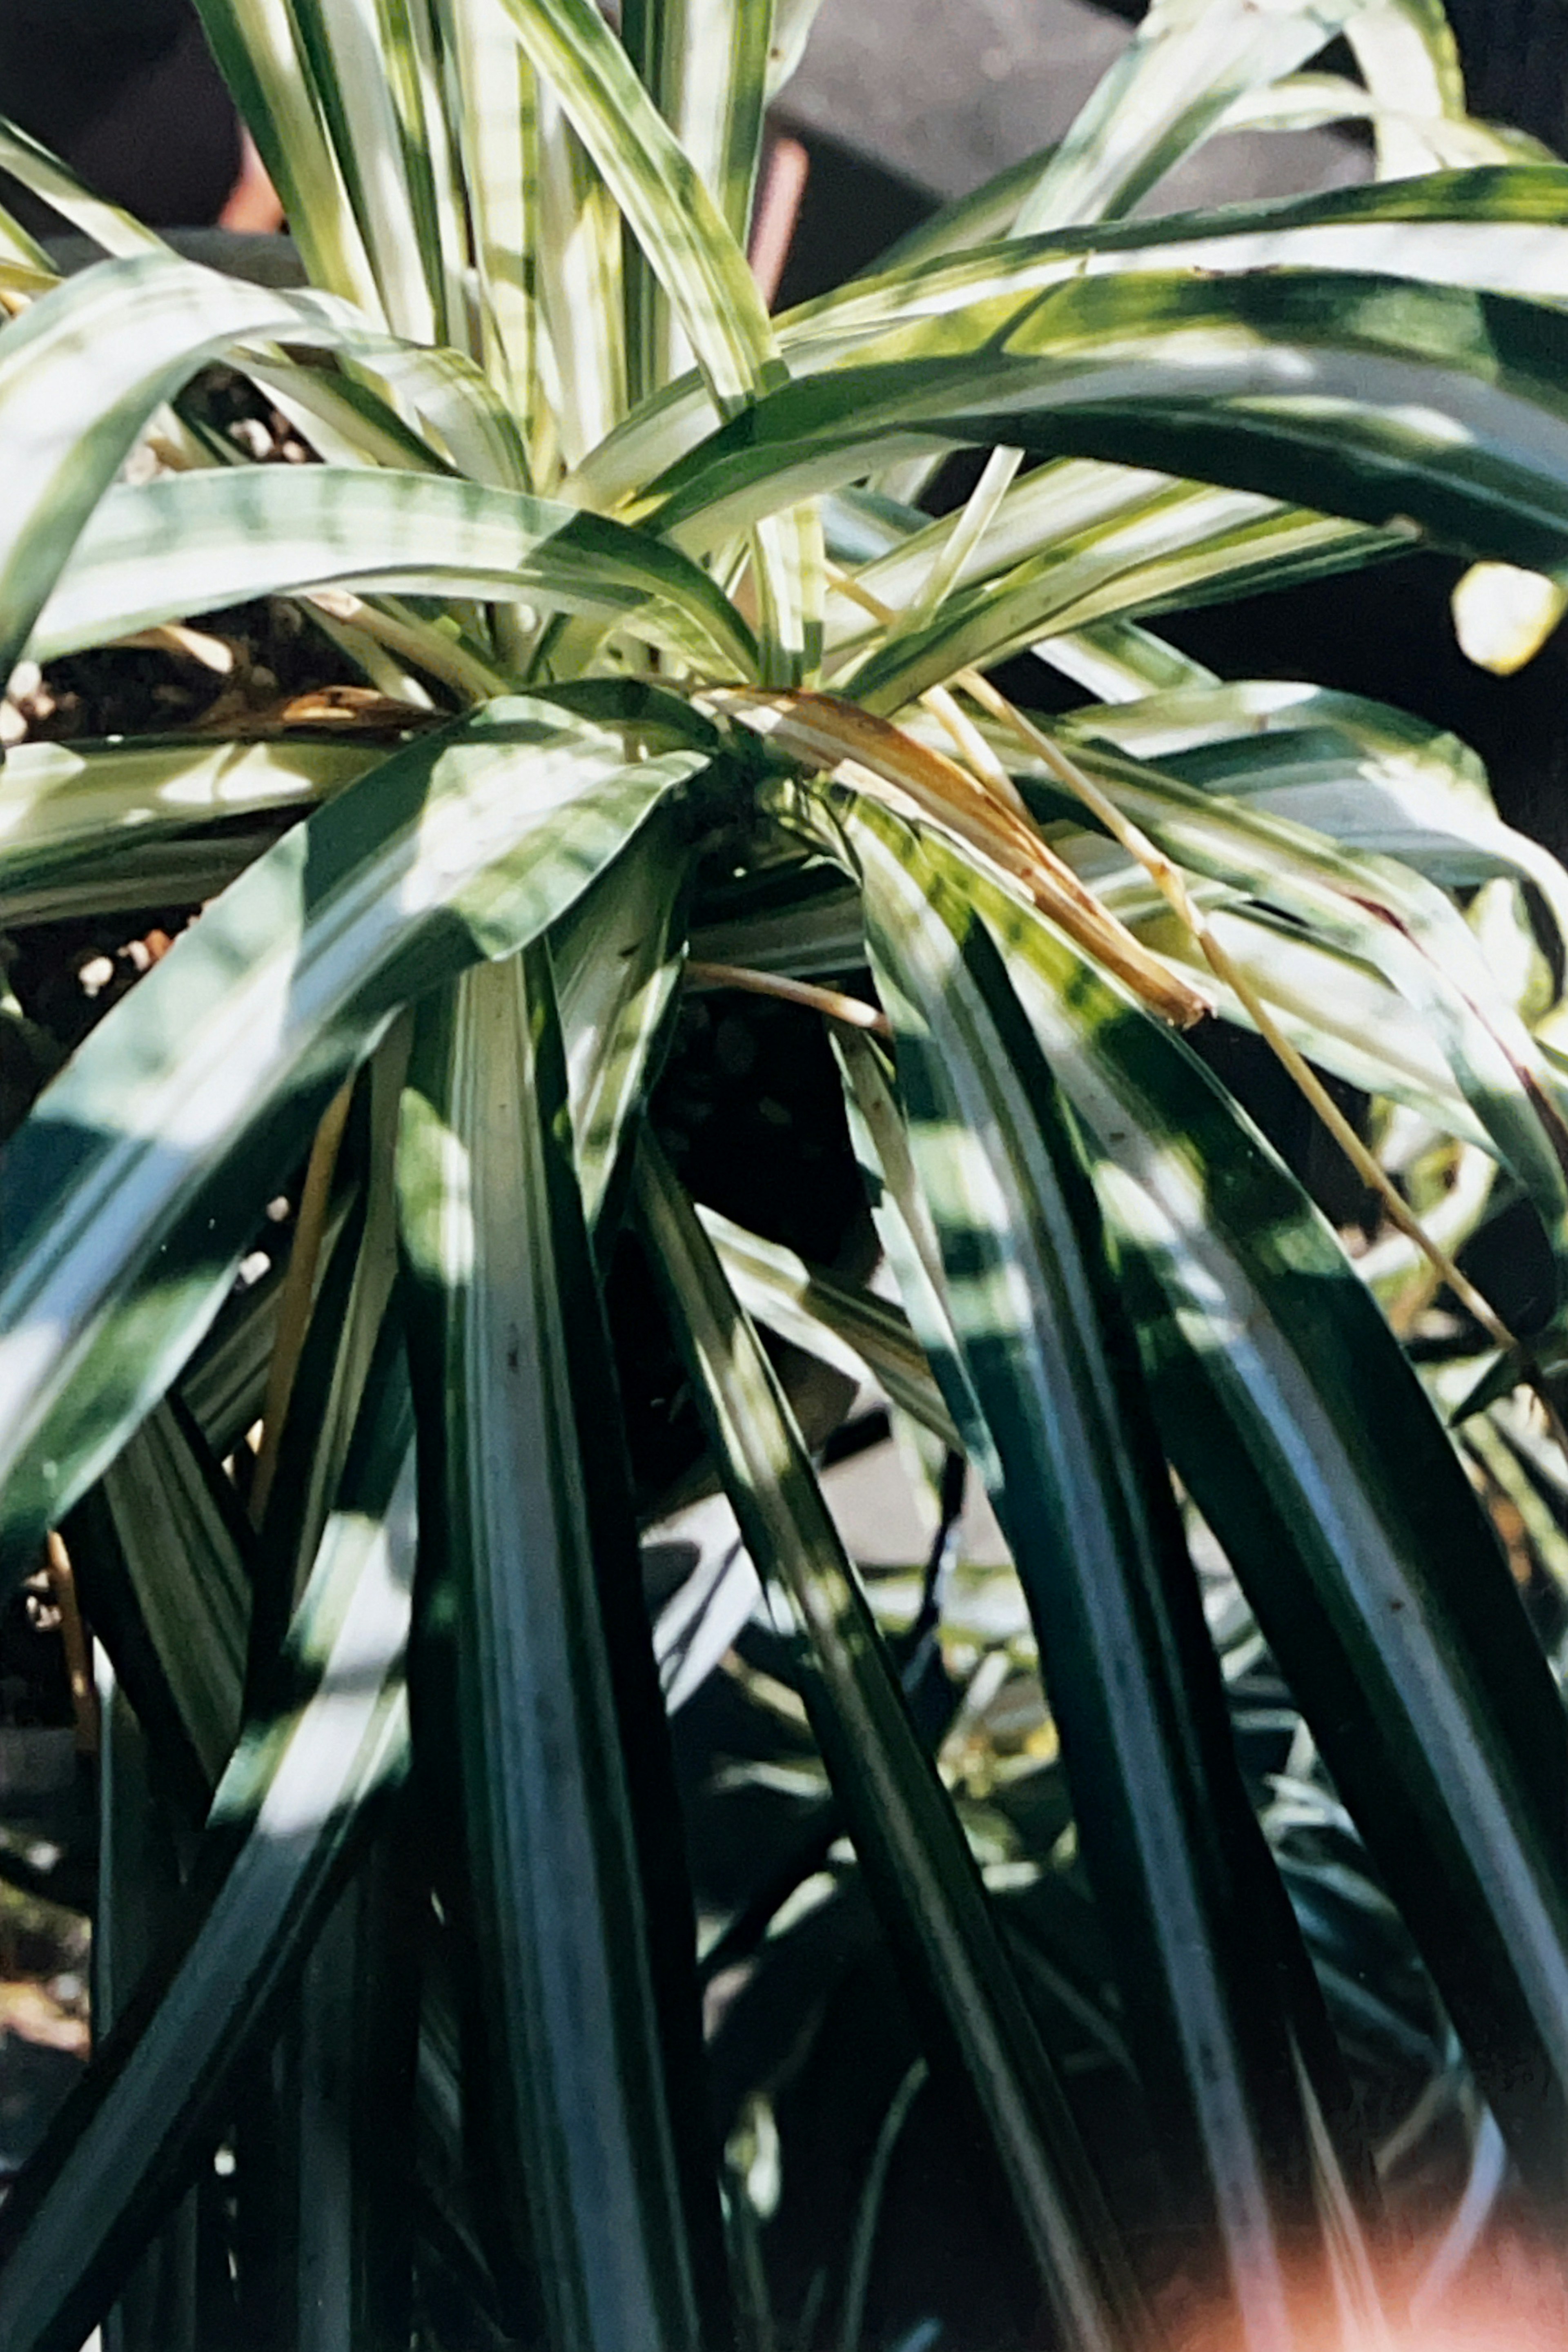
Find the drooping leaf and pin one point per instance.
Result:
(907, 1840)
(297, 1798)
(615, 962)
(457, 847)
(523, 1525)
(197, 540)
(1194, 1913)
(853, 1329)
(60, 802)
(1289, 1413)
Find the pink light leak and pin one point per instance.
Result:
(1512, 2296)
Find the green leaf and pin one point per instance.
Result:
(180, 1543)
(1369, 777)
(857, 1332)
(660, 191)
(1179, 545)
(195, 541)
(578, 272)
(346, 2061)
(700, 268)
(1478, 229)
(1326, 1002)
(906, 1836)
(1122, 661)
(904, 1226)
(496, 137)
(461, 847)
(512, 1364)
(1114, 659)
(1409, 61)
(137, 1890)
(61, 803)
(256, 46)
(84, 368)
(1192, 1909)
(615, 962)
(292, 1806)
(1428, 408)
(42, 175)
(1288, 1411)
(1381, 912)
(350, 52)
(320, 1410)
(1164, 95)
(705, 64)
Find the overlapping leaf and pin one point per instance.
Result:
(188, 1105)
(1288, 1409)
(198, 540)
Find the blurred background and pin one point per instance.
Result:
(932, 95)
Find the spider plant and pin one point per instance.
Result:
(676, 679)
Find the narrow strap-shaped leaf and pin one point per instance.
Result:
(1381, 912)
(899, 547)
(616, 965)
(905, 1833)
(1498, 227)
(1165, 94)
(853, 1329)
(1121, 661)
(704, 63)
(1359, 396)
(58, 801)
(138, 1893)
(578, 273)
(1368, 776)
(43, 174)
(291, 1806)
(1289, 1411)
(1191, 547)
(346, 2085)
(177, 1535)
(1324, 999)
(197, 540)
(1163, 1824)
(703, 270)
(223, 1385)
(150, 322)
(174, 870)
(659, 190)
(495, 131)
(323, 1401)
(1409, 61)
(1478, 230)
(347, 49)
(511, 1358)
(462, 846)
(256, 46)
(903, 1222)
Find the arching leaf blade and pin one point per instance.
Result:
(905, 1833)
(1193, 1910)
(462, 846)
(1288, 1408)
(199, 541)
(293, 1806)
(504, 1329)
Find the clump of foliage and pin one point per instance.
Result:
(666, 674)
